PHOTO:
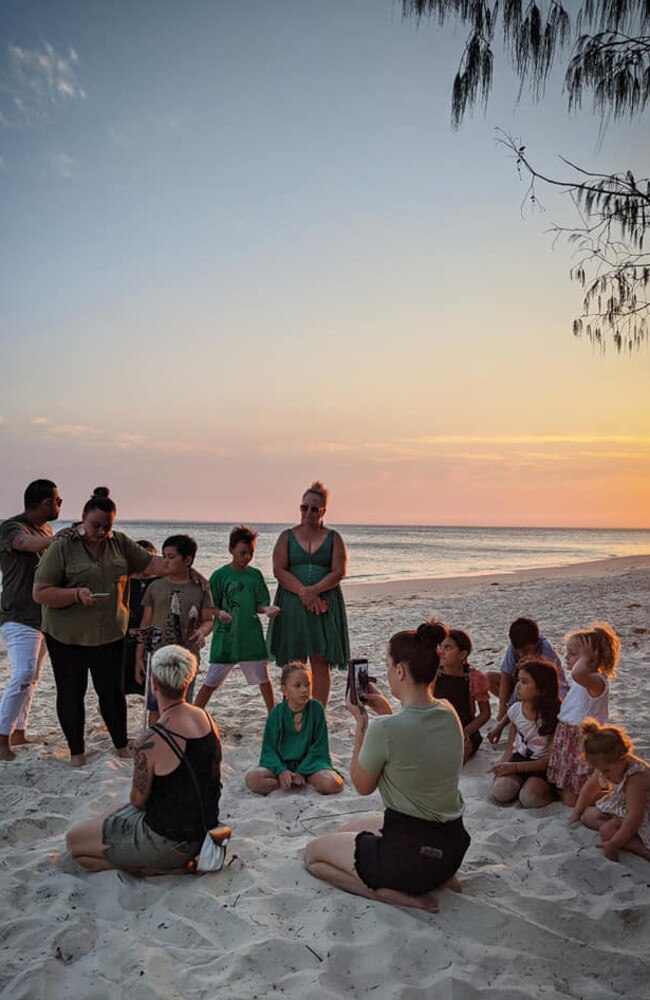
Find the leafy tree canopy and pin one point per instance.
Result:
(607, 43)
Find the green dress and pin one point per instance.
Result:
(297, 633)
(283, 749)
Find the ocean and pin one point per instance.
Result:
(396, 552)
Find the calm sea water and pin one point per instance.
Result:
(385, 552)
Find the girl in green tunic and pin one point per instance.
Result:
(295, 748)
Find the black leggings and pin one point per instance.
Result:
(71, 665)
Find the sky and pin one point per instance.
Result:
(243, 249)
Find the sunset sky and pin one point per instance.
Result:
(242, 249)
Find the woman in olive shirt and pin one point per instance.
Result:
(81, 582)
(414, 758)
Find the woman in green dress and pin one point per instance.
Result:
(309, 564)
(295, 746)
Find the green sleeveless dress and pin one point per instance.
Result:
(297, 633)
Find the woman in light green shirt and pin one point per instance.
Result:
(414, 759)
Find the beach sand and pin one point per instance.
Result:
(543, 914)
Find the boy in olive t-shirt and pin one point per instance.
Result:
(240, 595)
(181, 609)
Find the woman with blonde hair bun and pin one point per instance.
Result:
(175, 788)
(309, 563)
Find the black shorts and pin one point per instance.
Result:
(411, 855)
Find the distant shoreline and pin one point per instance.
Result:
(393, 524)
(472, 584)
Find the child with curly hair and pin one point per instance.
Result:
(591, 656)
(616, 798)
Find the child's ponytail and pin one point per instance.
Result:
(610, 742)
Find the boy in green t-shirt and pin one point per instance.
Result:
(240, 595)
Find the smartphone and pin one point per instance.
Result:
(358, 680)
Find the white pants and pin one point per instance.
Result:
(26, 650)
(255, 672)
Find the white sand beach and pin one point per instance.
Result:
(543, 913)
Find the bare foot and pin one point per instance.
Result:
(6, 753)
(395, 898)
(453, 885)
(77, 760)
(19, 739)
(125, 752)
(427, 902)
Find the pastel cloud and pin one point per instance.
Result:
(125, 440)
(186, 448)
(65, 166)
(39, 421)
(72, 430)
(37, 81)
(524, 439)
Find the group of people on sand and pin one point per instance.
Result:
(72, 595)
(89, 578)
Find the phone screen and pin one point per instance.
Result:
(361, 676)
(357, 680)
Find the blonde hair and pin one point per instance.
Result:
(602, 638)
(290, 668)
(610, 742)
(319, 489)
(174, 667)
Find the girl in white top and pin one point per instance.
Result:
(521, 772)
(616, 798)
(591, 656)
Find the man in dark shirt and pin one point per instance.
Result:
(23, 539)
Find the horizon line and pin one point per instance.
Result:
(394, 524)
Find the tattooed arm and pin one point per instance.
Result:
(142, 771)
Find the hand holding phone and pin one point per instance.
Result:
(358, 683)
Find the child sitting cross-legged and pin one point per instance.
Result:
(526, 640)
(295, 747)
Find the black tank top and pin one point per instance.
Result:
(456, 691)
(173, 808)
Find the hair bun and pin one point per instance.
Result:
(101, 493)
(431, 633)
